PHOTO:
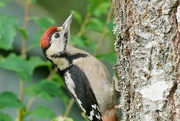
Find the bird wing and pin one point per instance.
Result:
(79, 87)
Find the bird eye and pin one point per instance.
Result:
(56, 35)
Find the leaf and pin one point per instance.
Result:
(11, 63)
(42, 112)
(77, 16)
(102, 9)
(2, 5)
(24, 68)
(92, 5)
(45, 89)
(90, 44)
(82, 42)
(96, 24)
(37, 37)
(7, 31)
(44, 22)
(5, 117)
(109, 57)
(23, 32)
(33, 1)
(110, 26)
(36, 61)
(9, 99)
(77, 41)
(61, 118)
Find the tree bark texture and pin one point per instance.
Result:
(147, 74)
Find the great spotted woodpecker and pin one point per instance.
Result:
(85, 77)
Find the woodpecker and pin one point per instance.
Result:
(86, 78)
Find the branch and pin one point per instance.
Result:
(23, 54)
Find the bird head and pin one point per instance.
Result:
(55, 39)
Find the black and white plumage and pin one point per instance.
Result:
(85, 77)
(79, 87)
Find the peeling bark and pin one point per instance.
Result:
(147, 73)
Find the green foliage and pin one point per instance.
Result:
(2, 4)
(45, 89)
(109, 57)
(22, 32)
(95, 30)
(8, 31)
(42, 112)
(96, 25)
(5, 117)
(62, 119)
(44, 23)
(23, 67)
(33, 1)
(97, 21)
(77, 16)
(9, 99)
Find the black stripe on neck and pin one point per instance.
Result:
(65, 40)
(70, 57)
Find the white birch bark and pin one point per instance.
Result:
(148, 66)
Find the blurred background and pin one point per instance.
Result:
(30, 89)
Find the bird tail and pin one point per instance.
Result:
(110, 115)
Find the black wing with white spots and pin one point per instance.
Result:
(79, 87)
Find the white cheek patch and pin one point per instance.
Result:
(55, 48)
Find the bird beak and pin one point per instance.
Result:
(67, 23)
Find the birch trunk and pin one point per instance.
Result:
(147, 42)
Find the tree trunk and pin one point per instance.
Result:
(147, 74)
